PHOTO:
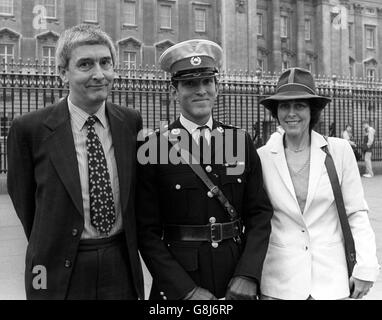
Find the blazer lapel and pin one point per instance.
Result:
(123, 152)
(63, 154)
(278, 155)
(317, 164)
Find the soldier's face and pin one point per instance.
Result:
(196, 98)
(90, 75)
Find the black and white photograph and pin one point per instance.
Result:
(176, 150)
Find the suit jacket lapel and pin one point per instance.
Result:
(63, 154)
(123, 152)
(317, 164)
(278, 155)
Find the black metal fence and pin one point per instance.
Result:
(25, 87)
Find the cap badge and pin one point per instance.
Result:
(196, 61)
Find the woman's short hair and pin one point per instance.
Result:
(82, 34)
(315, 113)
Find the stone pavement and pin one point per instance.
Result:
(13, 244)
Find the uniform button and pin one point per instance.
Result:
(210, 194)
(303, 231)
(164, 298)
(212, 220)
(214, 245)
(178, 186)
(74, 232)
(209, 169)
(306, 248)
(239, 180)
(67, 264)
(161, 293)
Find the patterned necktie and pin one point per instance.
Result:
(102, 211)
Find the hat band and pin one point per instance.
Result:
(295, 87)
(195, 75)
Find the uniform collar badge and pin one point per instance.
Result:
(220, 129)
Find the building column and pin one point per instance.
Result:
(358, 44)
(345, 41)
(323, 49)
(301, 56)
(252, 35)
(379, 52)
(274, 16)
(239, 36)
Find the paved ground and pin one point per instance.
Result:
(13, 244)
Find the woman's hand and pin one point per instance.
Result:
(359, 288)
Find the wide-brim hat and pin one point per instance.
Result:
(192, 59)
(295, 84)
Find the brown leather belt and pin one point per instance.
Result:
(214, 232)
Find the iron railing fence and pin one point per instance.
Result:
(25, 87)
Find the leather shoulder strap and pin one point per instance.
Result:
(198, 170)
(348, 237)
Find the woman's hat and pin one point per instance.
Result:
(295, 84)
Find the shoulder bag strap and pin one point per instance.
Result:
(348, 237)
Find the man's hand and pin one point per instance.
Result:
(242, 288)
(199, 293)
(359, 288)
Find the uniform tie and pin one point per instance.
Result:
(102, 210)
(204, 141)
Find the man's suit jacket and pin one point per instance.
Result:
(44, 185)
(173, 194)
(306, 251)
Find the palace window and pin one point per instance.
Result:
(50, 6)
(130, 59)
(165, 12)
(350, 29)
(6, 7)
(6, 53)
(285, 65)
(284, 29)
(48, 55)
(370, 37)
(90, 10)
(129, 12)
(200, 20)
(370, 74)
(307, 30)
(260, 24)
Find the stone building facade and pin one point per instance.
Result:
(342, 37)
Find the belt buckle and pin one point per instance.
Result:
(219, 227)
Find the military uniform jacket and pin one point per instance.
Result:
(173, 194)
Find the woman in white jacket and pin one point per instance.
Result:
(306, 255)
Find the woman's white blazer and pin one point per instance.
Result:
(306, 250)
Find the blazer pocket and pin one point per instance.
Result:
(187, 257)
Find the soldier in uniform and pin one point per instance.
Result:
(192, 245)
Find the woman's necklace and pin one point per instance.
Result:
(293, 159)
(297, 150)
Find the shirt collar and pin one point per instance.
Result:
(192, 126)
(80, 117)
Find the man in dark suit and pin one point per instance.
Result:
(190, 237)
(71, 178)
